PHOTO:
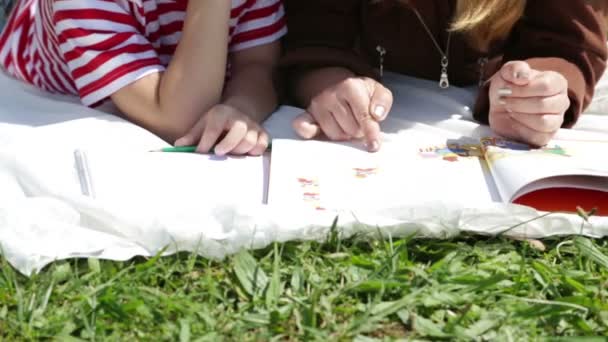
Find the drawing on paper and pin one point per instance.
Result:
(508, 148)
(451, 153)
(311, 192)
(363, 173)
(504, 143)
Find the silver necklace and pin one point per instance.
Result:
(444, 81)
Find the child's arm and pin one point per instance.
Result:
(249, 98)
(169, 103)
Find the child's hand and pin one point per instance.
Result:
(527, 104)
(233, 131)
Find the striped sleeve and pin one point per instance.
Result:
(102, 47)
(262, 23)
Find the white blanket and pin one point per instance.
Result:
(41, 222)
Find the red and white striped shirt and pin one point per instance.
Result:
(93, 48)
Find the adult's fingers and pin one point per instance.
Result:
(516, 72)
(543, 123)
(541, 84)
(381, 102)
(531, 136)
(319, 110)
(305, 126)
(506, 126)
(358, 96)
(556, 104)
(342, 113)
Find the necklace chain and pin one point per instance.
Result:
(445, 55)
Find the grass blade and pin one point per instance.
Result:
(251, 277)
(589, 250)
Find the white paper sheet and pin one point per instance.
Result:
(409, 169)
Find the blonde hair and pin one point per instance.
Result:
(486, 21)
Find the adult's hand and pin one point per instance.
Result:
(349, 109)
(526, 104)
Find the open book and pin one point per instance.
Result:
(411, 168)
(417, 169)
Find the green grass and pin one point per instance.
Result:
(359, 288)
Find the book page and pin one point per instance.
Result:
(408, 169)
(176, 179)
(518, 168)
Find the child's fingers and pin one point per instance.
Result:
(247, 143)
(305, 126)
(516, 72)
(211, 133)
(186, 140)
(261, 145)
(193, 135)
(238, 130)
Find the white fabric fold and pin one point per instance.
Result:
(43, 218)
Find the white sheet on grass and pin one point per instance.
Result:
(41, 221)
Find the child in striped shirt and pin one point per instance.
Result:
(193, 72)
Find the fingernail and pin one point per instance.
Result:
(379, 112)
(502, 101)
(180, 142)
(374, 146)
(522, 75)
(504, 92)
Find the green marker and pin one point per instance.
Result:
(183, 149)
(188, 149)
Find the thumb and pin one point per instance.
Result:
(381, 102)
(306, 126)
(516, 72)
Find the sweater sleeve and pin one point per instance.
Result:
(568, 37)
(323, 33)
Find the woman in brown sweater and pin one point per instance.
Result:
(536, 61)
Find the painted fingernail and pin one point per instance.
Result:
(504, 92)
(522, 75)
(379, 112)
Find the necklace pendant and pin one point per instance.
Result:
(381, 52)
(444, 81)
